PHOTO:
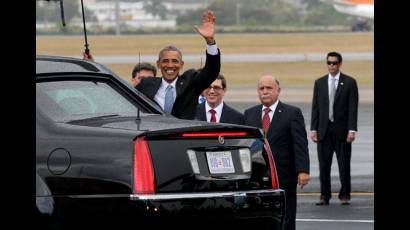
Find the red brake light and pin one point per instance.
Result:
(218, 134)
(273, 172)
(144, 181)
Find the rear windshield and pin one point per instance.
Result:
(74, 100)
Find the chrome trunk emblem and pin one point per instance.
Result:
(221, 140)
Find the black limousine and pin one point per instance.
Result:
(106, 154)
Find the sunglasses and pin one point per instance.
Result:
(332, 62)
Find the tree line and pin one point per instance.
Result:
(228, 13)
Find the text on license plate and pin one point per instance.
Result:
(220, 162)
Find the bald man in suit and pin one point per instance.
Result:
(284, 128)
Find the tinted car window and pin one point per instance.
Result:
(71, 100)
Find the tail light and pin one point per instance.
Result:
(144, 181)
(273, 172)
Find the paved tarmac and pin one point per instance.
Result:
(362, 167)
(357, 216)
(360, 214)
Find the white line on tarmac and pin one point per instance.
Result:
(330, 220)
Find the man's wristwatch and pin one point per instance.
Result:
(213, 42)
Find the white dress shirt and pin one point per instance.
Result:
(329, 81)
(212, 49)
(218, 110)
(160, 95)
(272, 109)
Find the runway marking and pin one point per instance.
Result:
(335, 194)
(330, 220)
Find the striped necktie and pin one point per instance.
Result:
(266, 120)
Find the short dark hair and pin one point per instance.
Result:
(335, 54)
(223, 80)
(144, 66)
(169, 48)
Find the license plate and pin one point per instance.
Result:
(220, 162)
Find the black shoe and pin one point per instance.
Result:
(322, 202)
(344, 202)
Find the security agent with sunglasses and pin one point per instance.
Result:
(334, 125)
(178, 94)
(214, 109)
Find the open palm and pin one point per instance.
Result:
(207, 30)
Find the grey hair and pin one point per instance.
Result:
(273, 77)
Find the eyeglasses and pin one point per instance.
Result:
(332, 62)
(216, 88)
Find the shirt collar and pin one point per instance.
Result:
(218, 108)
(165, 83)
(336, 77)
(272, 107)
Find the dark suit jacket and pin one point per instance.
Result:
(345, 106)
(188, 87)
(287, 138)
(229, 115)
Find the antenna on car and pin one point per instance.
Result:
(138, 119)
(87, 51)
(62, 12)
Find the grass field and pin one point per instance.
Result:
(299, 73)
(194, 44)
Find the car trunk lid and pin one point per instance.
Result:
(209, 158)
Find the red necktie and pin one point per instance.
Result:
(213, 117)
(266, 120)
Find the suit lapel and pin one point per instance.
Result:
(276, 116)
(201, 112)
(156, 85)
(340, 85)
(254, 117)
(180, 86)
(325, 87)
(224, 114)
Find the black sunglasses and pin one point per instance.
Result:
(332, 62)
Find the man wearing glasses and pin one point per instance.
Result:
(215, 109)
(333, 126)
(141, 70)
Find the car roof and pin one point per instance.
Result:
(58, 64)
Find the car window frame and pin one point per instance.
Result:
(122, 87)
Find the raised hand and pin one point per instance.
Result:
(207, 30)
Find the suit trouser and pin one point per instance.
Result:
(290, 218)
(329, 144)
